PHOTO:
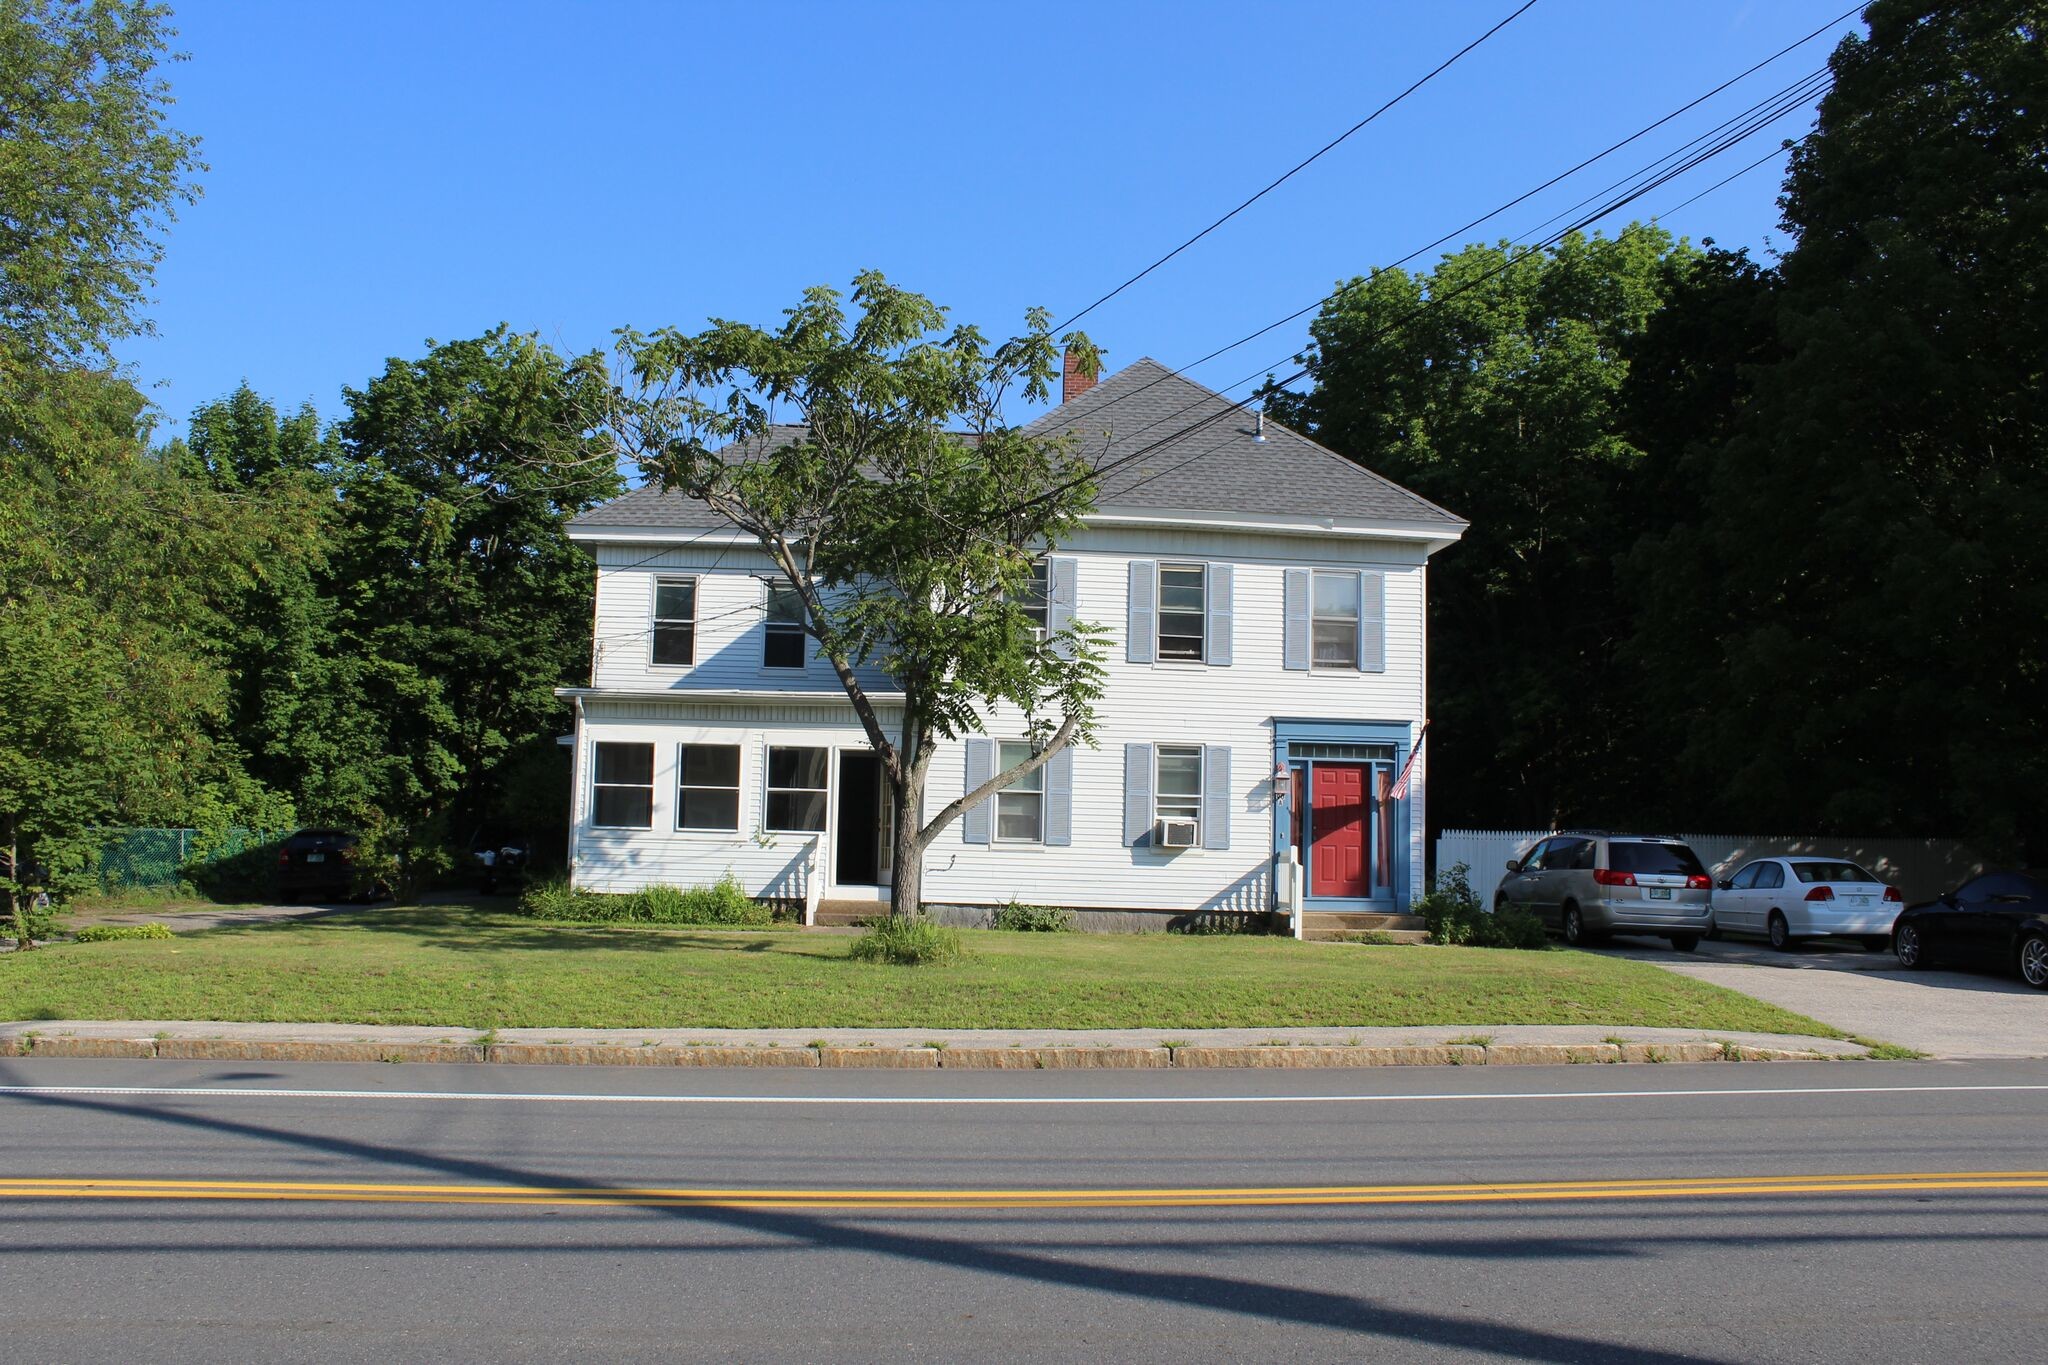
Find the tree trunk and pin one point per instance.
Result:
(17, 895)
(906, 877)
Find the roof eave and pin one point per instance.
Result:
(1436, 534)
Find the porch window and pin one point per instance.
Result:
(675, 622)
(1020, 807)
(622, 786)
(1032, 598)
(1335, 627)
(1183, 610)
(708, 786)
(797, 789)
(1178, 784)
(783, 645)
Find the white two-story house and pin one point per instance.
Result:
(1268, 675)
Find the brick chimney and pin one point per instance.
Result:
(1072, 382)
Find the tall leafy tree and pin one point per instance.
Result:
(119, 577)
(904, 513)
(1492, 384)
(90, 173)
(1870, 544)
(457, 602)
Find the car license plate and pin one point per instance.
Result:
(1660, 893)
(1857, 900)
(316, 857)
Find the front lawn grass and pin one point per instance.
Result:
(462, 966)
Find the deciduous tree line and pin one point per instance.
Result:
(1755, 545)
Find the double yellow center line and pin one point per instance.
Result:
(1710, 1187)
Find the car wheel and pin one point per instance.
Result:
(2034, 961)
(1685, 943)
(1781, 932)
(1574, 927)
(1909, 947)
(288, 897)
(1876, 943)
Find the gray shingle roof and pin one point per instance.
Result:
(1220, 467)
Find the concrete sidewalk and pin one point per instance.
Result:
(911, 1048)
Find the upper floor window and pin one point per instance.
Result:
(783, 643)
(708, 786)
(675, 621)
(1020, 807)
(1183, 610)
(1034, 595)
(1335, 625)
(622, 786)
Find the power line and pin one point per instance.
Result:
(1300, 166)
(1519, 199)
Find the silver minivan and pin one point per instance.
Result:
(1587, 885)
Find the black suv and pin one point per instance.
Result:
(315, 861)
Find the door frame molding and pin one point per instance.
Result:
(1397, 735)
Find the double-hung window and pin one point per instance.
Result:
(1183, 609)
(675, 622)
(797, 789)
(1033, 596)
(1020, 807)
(1177, 785)
(1336, 607)
(708, 786)
(783, 643)
(622, 786)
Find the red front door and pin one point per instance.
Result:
(1338, 815)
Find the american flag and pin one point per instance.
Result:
(1400, 790)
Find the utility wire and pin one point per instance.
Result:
(1519, 199)
(1300, 166)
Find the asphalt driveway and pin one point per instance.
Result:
(1943, 1013)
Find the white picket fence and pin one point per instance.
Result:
(1920, 868)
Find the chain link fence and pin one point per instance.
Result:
(163, 859)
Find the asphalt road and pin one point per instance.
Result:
(562, 1213)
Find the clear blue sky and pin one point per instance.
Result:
(382, 173)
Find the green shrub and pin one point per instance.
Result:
(108, 933)
(724, 902)
(1033, 919)
(908, 943)
(1452, 914)
(39, 918)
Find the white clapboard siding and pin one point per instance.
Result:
(1161, 702)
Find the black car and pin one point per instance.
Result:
(319, 862)
(1998, 920)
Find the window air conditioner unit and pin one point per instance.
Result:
(1174, 834)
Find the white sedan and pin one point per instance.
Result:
(1788, 899)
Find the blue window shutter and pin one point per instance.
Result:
(1059, 798)
(1142, 629)
(1061, 596)
(1216, 796)
(1137, 794)
(981, 766)
(1294, 608)
(1372, 622)
(1220, 576)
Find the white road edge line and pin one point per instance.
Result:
(541, 1097)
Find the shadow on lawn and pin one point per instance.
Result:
(470, 929)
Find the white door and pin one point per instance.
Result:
(1735, 907)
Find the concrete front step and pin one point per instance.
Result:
(1359, 919)
(842, 913)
